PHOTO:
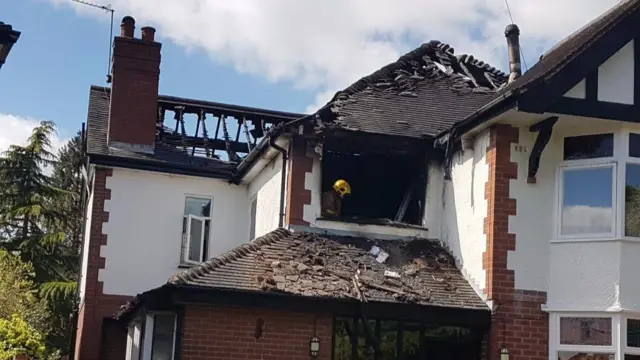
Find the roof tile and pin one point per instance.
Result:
(307, 264)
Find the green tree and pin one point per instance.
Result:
(17, 337)
(18, 293)
(40, 220)
(28, 215)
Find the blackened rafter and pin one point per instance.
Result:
(190, 134)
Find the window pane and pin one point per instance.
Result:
(633, 333)
(631, 357)
(342, 345)
(634, 145)
(588, 146)
(632, 201)
(197, 207)
(585, 331)
(163, 333)
(572, 355)
(365, 347)
(388, 340)
(411, 341)
(195, 240)
(587, 201)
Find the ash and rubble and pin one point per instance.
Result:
(363, 269)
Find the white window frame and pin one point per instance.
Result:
(187, 240)
(147, 348)
(554, 336)
(623, 183)
(581, 165)
(626, 349)
(187, 251)
(620, 158)
(134, 335)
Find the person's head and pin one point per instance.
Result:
(342, 187)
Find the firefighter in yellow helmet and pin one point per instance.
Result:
(332, 199)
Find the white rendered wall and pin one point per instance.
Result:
(578, 91)
(616, 77)
(145, 226)
(85, 246)
(465, 209)
(593, 275)
(266, 188)
(533, 222)
(432, 219)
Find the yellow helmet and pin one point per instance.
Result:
(342, 187)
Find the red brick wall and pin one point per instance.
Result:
(225, 333)
(297, 196)
(518, 324)
(96, 305)
(134, 94)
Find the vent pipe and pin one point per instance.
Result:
(512, 33)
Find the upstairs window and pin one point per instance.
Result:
(196, 226)
(386, 187)
(587, 187)
(599, 187)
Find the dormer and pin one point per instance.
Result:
(377, 134)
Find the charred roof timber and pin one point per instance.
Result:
(203, 137)
(512, 33)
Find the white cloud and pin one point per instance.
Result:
(326, 45)
(17, 129)
(584, 219)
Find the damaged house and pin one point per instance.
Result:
(491, 215)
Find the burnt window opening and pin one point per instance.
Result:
(385, 187)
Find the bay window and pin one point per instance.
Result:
(591, 179)
(595, 337)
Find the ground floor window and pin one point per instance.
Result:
(354, 339)
(595, 336)
(152, 337)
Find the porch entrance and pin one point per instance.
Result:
(398, 340)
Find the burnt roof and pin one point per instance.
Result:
(306, 264)
(165, 156)
(423, 93)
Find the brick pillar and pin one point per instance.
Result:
(518, 324)
(96, 306)
(298, 195)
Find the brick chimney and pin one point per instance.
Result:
(134, 89)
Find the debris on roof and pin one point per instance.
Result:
(299, 263)
(422, 94)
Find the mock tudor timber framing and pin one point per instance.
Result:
(549, 96)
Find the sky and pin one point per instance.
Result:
(287, 55)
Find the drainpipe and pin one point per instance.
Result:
(285, 157)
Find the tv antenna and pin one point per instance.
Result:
(110, 10)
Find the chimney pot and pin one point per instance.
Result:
(512, 33)
(127, 27)
(148, 33)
